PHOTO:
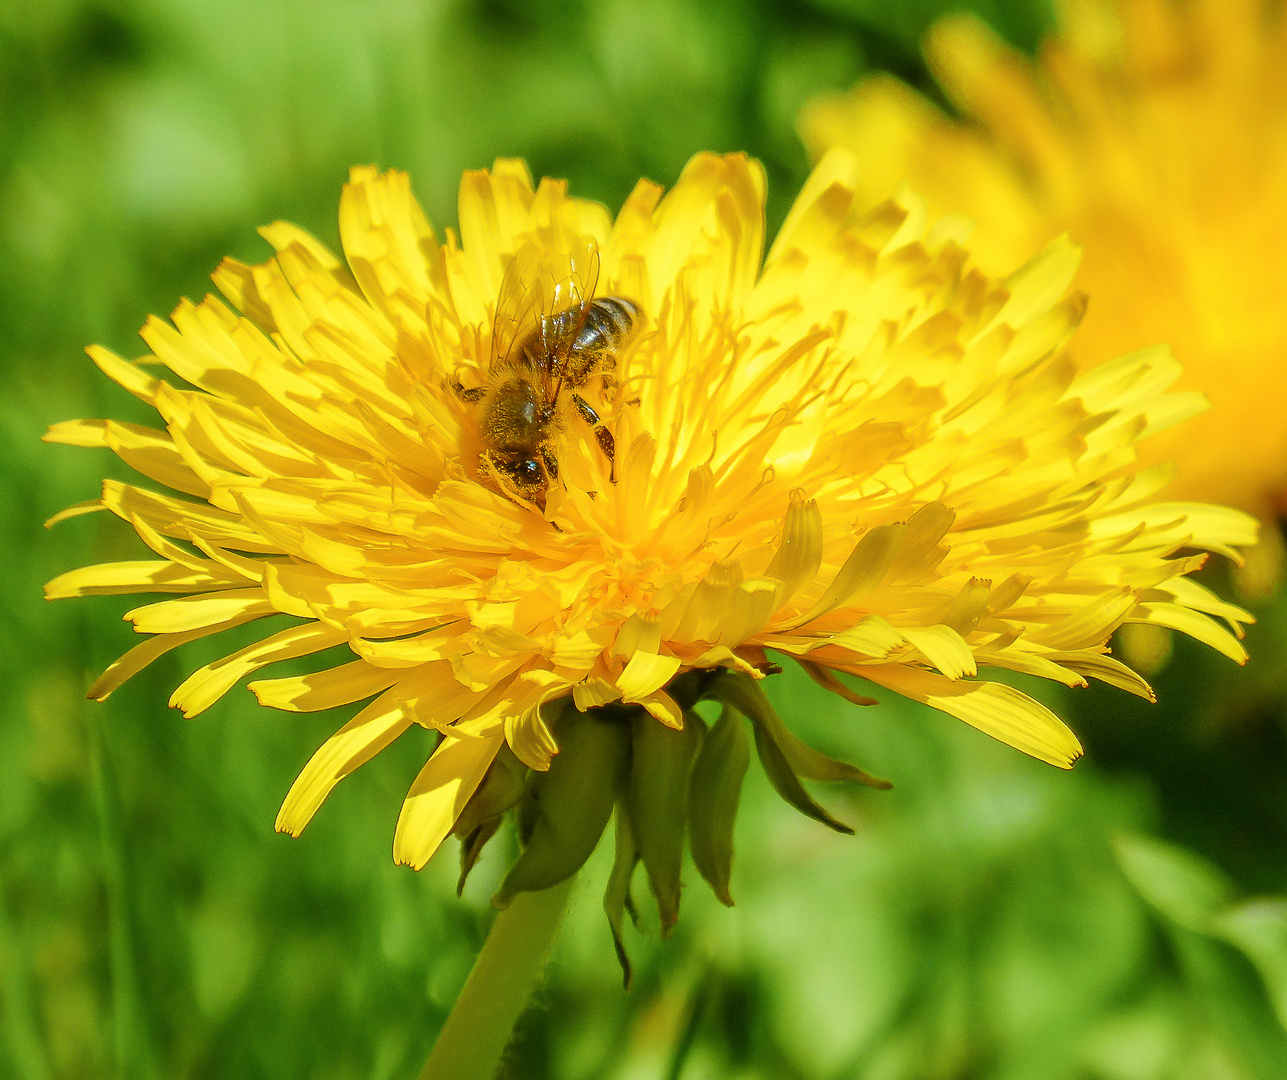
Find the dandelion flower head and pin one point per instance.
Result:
(856, 452)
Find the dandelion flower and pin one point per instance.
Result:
(857, 453)
(1155, 134)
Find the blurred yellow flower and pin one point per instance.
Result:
(1155, 134)
(857, 452)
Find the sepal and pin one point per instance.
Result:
(786, 758)
(617, 900)
(501, 789)
(657, 805)
(572, 802)
(714, 790)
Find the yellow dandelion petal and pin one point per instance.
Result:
(439, 794)
(108, 579)
(195, 612)
(206, 685)
(134, 661)
(994, 708)
(324, 689)
(369, 732)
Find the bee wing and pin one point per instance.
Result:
(539, 285)
(519, 305)
(574, 276)
(572, 280)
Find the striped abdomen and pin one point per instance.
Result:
(583, 341)
(608, 322)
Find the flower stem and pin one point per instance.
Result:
(471, 1042)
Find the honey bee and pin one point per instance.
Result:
(551, 336)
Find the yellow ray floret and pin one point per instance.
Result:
(858, 452)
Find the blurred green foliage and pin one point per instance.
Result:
(993, 918)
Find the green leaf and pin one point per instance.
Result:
(1259, 929)
(787, 784)
(471, 847)
(1237, 1006)
(501, 788)
(1194, 900)
(1177, 883)
(785, 758)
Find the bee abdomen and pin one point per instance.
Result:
(608, 322)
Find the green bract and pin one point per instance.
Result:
(660, 783)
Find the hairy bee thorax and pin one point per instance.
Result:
(516, 414)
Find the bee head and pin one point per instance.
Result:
(520, 476)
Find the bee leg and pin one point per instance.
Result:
(551, 464)
(474, 393)
(609, 447)
(587, 414)
(602, 435)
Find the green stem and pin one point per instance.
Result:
(471, 1042)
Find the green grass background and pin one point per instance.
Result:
(993, 918)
